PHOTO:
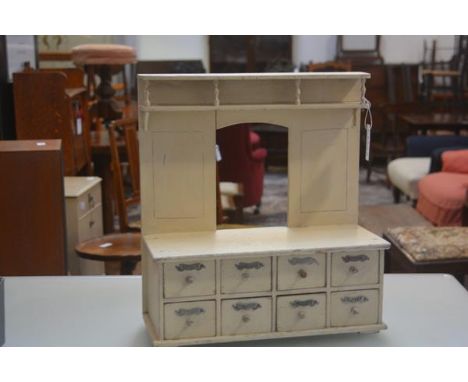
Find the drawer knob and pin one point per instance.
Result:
(301, 315)
(353, 269)
(189, 279)
(245, 275)
(189, 322)
(91, 223)
(245, 318)
(302, 273)
(354, 311)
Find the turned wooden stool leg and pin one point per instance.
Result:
(107, 106)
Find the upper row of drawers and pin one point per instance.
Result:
(198, 278)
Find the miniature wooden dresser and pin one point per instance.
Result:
(84, 221)
(321, 274)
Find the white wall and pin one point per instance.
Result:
(394, 49)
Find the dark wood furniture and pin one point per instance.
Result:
(47, 108)
(101, 156)
(32, 205)
(122, 247)
(240, 54)
(123, 202)
(454, 122)
(330, 66)
(397, 262)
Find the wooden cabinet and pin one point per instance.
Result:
(84, 221)
(320, 275)
(46, 108)
(32, 224)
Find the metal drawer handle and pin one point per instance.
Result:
(91, 200)
(91, 223)
(302, 260)
(302, 303)
(190, 267)
(252, 265)
(349, 258)
(353, 300)
(246, 306)
(189, 312)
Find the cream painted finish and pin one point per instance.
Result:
(184, 279)
(257, 282)
(358, 268)
(353, 308)
(245, 316)
(84, 221)
(190, 319)
(246, 275)
(301, 272)
(301, 312)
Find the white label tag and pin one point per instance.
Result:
(218, 154)
(79, 127)
(106, 245)
(368, 137)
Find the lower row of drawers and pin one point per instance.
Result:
(254, 315)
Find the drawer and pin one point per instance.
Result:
(189, 320)
(88, 200)
(353, 308)
(301, 312)
(355, 268)
(189, 278)
(300, 272)
(90, 225)
(246, 316)
(246, 275)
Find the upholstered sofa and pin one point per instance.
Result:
(423, 155)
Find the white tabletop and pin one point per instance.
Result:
(420, 310)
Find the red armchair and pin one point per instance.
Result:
(242, 161)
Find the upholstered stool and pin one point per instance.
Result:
(428, 250)
(405, 174)
(104, 60)
(442, 198)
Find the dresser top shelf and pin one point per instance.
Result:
(248, 241)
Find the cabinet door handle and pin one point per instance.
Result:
(252, 265)
(189, 312)
(246, 306)
(302, 303)
(190, 267)
(350, 258)
(303, 260)
(353, 300)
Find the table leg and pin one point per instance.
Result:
(127, 267)
(103, 170)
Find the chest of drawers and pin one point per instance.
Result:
(321, 274)
(84, 221)
(256, 283)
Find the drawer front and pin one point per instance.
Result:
(90, 226)
(355, 307)
(246, 275)
(245, 316)
(300, 272)
(189, 278)
(189, 320)
(89, 200)
(301, 312)
(355, 268)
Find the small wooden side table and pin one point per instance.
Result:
(122, 247)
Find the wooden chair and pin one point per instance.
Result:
(330, 66)
(128, 129)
